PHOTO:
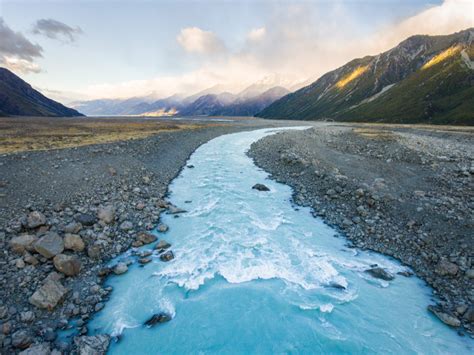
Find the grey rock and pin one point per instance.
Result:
(94, 251)
(162, 245)
(21, 339)
(106, 214)
(48, 295)
(446, 268)
(36, 219)
(162, 228)
(145, 237)
(126, 226)
(92, 345)
(469, 314)
(380, 273)
(167, 256)
(37, 349)
(73, 228)
(120, 268)
(260, 187)
(445, 317)
(69, 265)
(85, 219)
(27, 316)
(49, 245)
(23, 243)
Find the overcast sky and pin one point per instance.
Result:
(104, 49)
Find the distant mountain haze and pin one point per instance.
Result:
(210, 102)
(18, 98)
(427, 79)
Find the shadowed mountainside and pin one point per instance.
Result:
(18, 98)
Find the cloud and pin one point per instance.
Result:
(300, 42)
(257, 34)
(16, 51)
(56, 30)
(196, 40)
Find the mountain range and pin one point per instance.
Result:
(214, 101)
(426, 79)
(18, 98)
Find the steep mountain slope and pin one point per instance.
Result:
(423, 79)
(18, 98)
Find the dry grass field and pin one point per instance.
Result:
(19, 134)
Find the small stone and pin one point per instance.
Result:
(470, 273)
(469, 314)
(49, 245)
(260, 187)
(106, 214)
(167, 256)
(21, 339)
(19, 263)
(445, 267)
(175, 210)
(73, 242)
(359, 193)
(69, 265)
(162, 245)
(380, 273)
(73, 228)
(120, 268)
(85, 219)
(126, 226)
(158, 318)
(144, 261)
(23, 243)
(30, 259)
(94, 251)
(162, 228)
(27, 316)
(36, 219)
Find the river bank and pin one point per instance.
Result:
(88, 204)
(406, 192)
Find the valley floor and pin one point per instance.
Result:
(404, 191)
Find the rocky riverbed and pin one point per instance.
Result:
(403, 191)
(64, 214)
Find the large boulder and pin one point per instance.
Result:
(35, 219)
(49, 294)
(143, 238)
(106, 214)
(157, 318)
(67, 264)
(50, 245)
(260, 187)
(120, 268)
(73, 242)
(92, 345)
(444, 317)
(23, 243)
(380, 273)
